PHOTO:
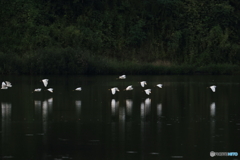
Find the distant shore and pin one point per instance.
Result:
(72, 62)
(120, 37)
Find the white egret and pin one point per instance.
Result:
(114, 89)
(122, 77)
(50, 90)
(159, 85)
(8, 84)
(78, 89)
(147, 91)
(143, 83)
(4, 85)
(129, 88)
(37, 90)
(45, 82)
(213, 88)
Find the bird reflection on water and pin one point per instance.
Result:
(6, 110)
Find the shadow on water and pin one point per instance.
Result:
(182, 120)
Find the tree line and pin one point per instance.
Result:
(176, 31)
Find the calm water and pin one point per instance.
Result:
(183, 120)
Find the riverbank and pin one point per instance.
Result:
(76, 61)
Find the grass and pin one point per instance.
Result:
(76, 61)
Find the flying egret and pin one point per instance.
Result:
(147, 91)
(114, 89)
(50, 90)
(213, 88)
(159, 85)
(143, 83)
(4, 85)
(45, 82)
(8, 84)
(122, 77)
(78, 89)
(37, 90)
(129, 88)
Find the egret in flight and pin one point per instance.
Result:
(50, 90)
(129, 88)
(8, 84)
(143, 83)
(159, 85)
(147, 91)
(45, 82)
(213, 88)
(122, 77)
(37, 90)
(78, 89)
(4, 85)
(114, 89)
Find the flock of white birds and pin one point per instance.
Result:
(129, 88)
(6, 84)
(143, 84)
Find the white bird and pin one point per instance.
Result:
(78, 89)
(50, 90)
(129, 88)
(45, 82)
(213, 88)
(37, 90)
(147, 91)
(4, 85)
(122, 77)
(159, 85)
(143, 83)
(114, 89)
(8, 84)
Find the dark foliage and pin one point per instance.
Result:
(68, 37)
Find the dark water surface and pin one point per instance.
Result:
(183, 120)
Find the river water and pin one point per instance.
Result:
(182, 120)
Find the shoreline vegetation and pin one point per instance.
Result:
(73, 61)
(120, 37)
